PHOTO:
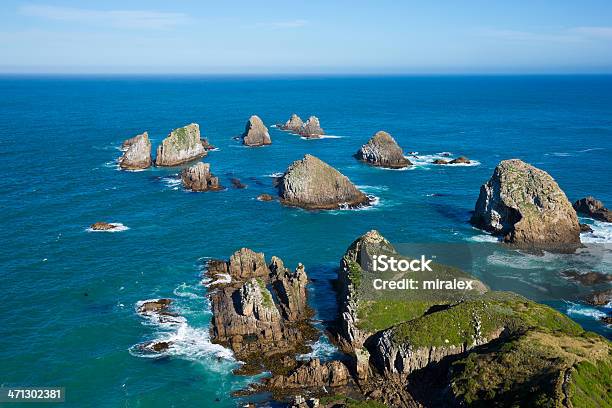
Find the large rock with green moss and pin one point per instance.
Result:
(383, 151)
(181, 146)
(526, 206)
(313, 184)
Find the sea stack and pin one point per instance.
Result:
(294, 124)
(383, 151)
(591, 207)
(312, 129)
(256, 133)
(182, 145)
(313, 184)
(199, 178)
(526, 206)
(137, 153)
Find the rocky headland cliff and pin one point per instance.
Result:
(526, 206)
(199, 178)
(136, 153)
(181, 146)
(255, 133)
(486, 349)
(383, 151)
(313, 184)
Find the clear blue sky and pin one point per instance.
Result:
(196, 36)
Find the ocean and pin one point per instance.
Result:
(67, 315)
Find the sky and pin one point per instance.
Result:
(306, 37)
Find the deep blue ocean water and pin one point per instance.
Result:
(67, 315)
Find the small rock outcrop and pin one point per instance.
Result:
(199, 178)
(526, 206)
(588, 278)
(103, 226)
(440, 161)
(313, 184)
(181, 146)
(591, 207)
(383, 151)
(601, 298)
(312, 128)
(256, 133)
(265, 197)
(236, 183)
(137, 153)
(460, 160)
(294, 124)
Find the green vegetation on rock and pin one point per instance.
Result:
(267, 296)
(471, 320)
(538, 369)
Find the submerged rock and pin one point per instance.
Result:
(588, 278)
(440, 161)
(137, 154)
(591, 207)
(256, 133)
(237, 183)
(199, 178)
(585, 228)
(265, 197)
(460, 160)
(313, 184)
(526, 206)
(182, 145)
(311, 129)
(294, 124)
(155, 346)
(383, 151)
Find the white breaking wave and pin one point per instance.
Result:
(321, 137)
(118, 228)
(222, 278)
(602, 233)
(373, 188)
(484, 238)
(184, 341)
(174, 182)
(321, 349)
(426, 160)
(274, 175)
(581, 310)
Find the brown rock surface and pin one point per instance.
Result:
(199, 178)
(600, 298)
(102, 226)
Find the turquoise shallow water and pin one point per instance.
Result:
(67, 315)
